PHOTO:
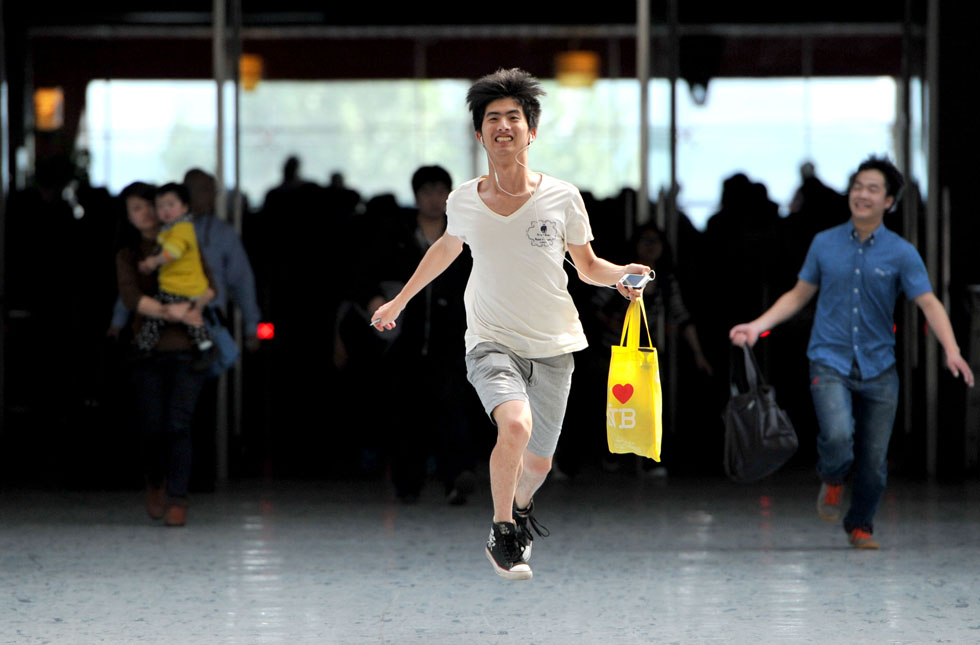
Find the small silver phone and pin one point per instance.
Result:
(635, 280)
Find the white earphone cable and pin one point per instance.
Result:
(496, 177)
(535, 206)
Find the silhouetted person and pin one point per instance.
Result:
(815, 207)
(425, 360)
(342, 201)
(291, 181)
(223, 249)
(743, 254)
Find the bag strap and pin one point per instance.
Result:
(630, 337)
(646, 324)
(750, 367)
(755, 375)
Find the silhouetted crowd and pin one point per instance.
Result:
(315, 402)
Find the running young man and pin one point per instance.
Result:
(860, 268)
(522, 325)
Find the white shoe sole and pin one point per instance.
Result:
(519, 572)
(828, 512)
(828, 517)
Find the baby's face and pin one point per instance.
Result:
(169, 207)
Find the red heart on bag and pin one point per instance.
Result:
(622, 392)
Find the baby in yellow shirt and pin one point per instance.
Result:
(181, 277)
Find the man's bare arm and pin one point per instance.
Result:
(787, 306)
(938, 321)
(436, 260)
(594, 270)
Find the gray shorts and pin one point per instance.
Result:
(499, 375)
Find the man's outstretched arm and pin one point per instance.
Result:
(788, 305)
(595, 270)
(436, 260)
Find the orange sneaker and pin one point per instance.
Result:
(861, 539)
(829, 502)
(176, 515)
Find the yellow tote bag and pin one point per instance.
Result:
(634, 399)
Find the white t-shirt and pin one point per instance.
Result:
(517, 294)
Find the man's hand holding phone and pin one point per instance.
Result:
(636, 277)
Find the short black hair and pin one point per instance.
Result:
(431, 175)
(511, 83)
(141, 189)
(894, 181)
(180, 190)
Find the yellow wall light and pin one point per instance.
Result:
(577, 68)
(49, 108)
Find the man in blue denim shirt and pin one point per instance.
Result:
(860, 268)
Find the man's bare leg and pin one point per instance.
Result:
(535, 470)
(506, 460)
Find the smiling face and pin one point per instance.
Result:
(868, 197)
(505, 129)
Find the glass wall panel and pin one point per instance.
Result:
(767, 128)
(373, 132)
(377, 132)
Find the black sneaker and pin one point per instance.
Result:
(524, 519)
(504, 552)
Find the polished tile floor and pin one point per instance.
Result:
(629, 560)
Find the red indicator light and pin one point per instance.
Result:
(266, 331)
(765, 333)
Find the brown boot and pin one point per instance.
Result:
(176, 513)
(155, 502)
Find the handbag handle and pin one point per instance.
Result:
(757, 377)
(630, 337)
(753, 375)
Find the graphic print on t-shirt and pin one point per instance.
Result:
(543, 232)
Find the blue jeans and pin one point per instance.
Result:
(167, 387)
(856, 417)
